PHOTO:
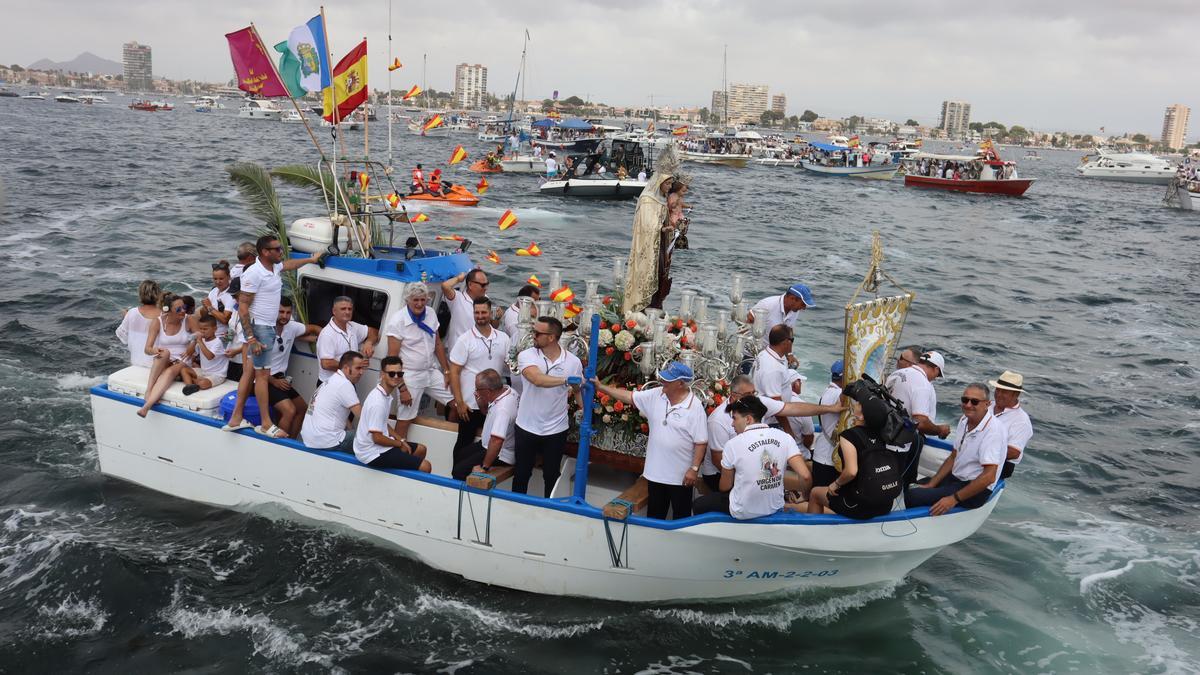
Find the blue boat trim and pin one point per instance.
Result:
(564, 504)
(433, 266)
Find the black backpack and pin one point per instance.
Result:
(879, 477)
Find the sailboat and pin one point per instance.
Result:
(518, 162)
(417, 126)
(718, 148)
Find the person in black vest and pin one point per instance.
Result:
(870, 480)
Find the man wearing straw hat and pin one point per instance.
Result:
(1007, 409)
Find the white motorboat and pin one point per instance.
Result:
(66, 98)
(40, 96)
(1183, 194)
(292, 117)
(92, 99)
(739, 160)
(836, 160)
(524, 164)
(1128, 167)
(489, 137)
(1032, 156)
(260, 109)
(594, 188)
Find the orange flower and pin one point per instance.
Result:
(631, 324)
(683, 340)
(645, 428)
(608, 299)
(678, 323)
(628, 356)
(718, 399)
(709, 409)
(619, 406)
(609, 350)
(602, 326)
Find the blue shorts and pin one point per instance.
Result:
(266, 339)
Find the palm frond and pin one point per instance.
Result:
(309, 177)
(254, 184)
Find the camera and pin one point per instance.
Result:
(898, 428)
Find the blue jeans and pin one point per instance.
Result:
(928, 496)
(266, 339)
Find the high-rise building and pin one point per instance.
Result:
(717, 109)
(956, 118)
(139, 74)
(1175, 123)
(470, 85)
(747, 102)
(779, 104)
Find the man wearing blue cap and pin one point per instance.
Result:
(678, 438)
(784, 308)
(822, 469)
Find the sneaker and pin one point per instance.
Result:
(189, 389)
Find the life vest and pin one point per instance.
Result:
(417, 177)
(879, 477)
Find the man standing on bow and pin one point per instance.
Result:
(480, 348)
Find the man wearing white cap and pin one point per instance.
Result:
(677, 439)
(784, 308)
(913, 386)
(1007, 408)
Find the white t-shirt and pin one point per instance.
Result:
(219, 363)
(1018, 426)
(417, 348)
(332, 342)
(771, 375)
(500, 422)
(759, 457)
(543, 410)
(720, 430)
(551, 166)
(235, 338)
(374, 417)
(823, 443)
(267, 287)
(132, 333)
(476, 353)
(236, 270)
(775, 314)
(509, 320)
(641, 176)
(462, 317)
(675, 429)
(325, 422)
(801, 426)
(281, 351)
(985, 444)
(218, 298)
(913, 388)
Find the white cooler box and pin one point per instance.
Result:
(314, 235)
(131, 381)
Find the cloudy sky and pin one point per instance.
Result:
(1040, 63)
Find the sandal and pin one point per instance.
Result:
(272, 432)
(241, 425)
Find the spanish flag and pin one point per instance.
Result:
(493, 257)
(415, 91)
(393, 200)
(419, 218)
(434, 122)
(571, 311)
(533, 250)
(507, 220)
(564, 294)
(349, 85)
(450, 237)
(987, 145)
(482, 186)
(458, 155)
(534, 281)
(853, 141)
(680, 131)
(396, 65)
(363, 180)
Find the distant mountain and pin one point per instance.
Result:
(86, 62)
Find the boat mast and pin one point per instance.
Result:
(389, 101)
(520, 79)
(725, 89)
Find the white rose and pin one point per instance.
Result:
(607, 419)
(624, 341)
(624, 417)
(606, 337)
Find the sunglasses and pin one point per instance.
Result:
(273, 248)
(180, 310)
(220, 266)
(973, 401)
(394, 373)
(483, 285)
(279, 341)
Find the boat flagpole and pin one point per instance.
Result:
(290, 97)
(389, 100)
(333, 97)
(585, 424)
(367, 118)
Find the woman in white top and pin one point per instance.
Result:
(166, 342)
(136, 324)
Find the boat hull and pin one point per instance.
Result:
(870, 172)
(739, 161)
(593, 189)
(1128, 175)
(1012, 187)
(530, 165)
(554, 547)
(481, 166)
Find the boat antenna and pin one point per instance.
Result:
(389, 100)
(725, 88)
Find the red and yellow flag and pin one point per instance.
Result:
(534, 281)
(450, 237)
(349, 85)
(419, 218)
(507, 220)
(853, 141)
(412, 93)
(482, 186)
(393, 200)
(564, 294)
(680, 131)
(434, 122)
(533, 250)
(363, 180)
(571, 311)
(493, 257)
(396, 65)
(458, 155)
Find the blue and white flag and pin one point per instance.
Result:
(307, 44)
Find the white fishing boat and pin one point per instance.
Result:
(92, 99)
(292, 117)
(524, 164)
(594, 188)
(260, 109)
(39, 96)
(1127, 167)
(66, 98)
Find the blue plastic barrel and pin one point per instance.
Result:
(249, 413)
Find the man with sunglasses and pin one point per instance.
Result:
(772, 374)
(375, 443)
(285, 400)
(549, 375)
(480, 348)
(462, 302)
(972, 469)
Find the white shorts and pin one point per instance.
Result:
(420, 383)
(215, 379)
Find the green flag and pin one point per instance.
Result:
(289, 69)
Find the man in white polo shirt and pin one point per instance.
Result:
(720, 430)
(822, 468)
(258, 309)
(375, 443)
(508, 322)
(771, 371)
(784, 308)
(1007, 408)
(343, 335)
(972, 469)
(913, 387)
(462, 302)
(480, 348)
(801, 428)
(677, 439)
(549, 373)
(497, 445)
(333, 404)
(412, 335)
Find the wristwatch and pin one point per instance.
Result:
(695, 468)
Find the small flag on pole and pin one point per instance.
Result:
(458, 155)
(396, 65)
(433, 123)
(571, 311)
(507, 220)
(482, 186)
(363, 180)
(533, 250)
(534, 281)
(450, 237)
(415, 91)
(564, 294)
(493, 257)
(393, 200)
(680, 131)
(419, 218)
